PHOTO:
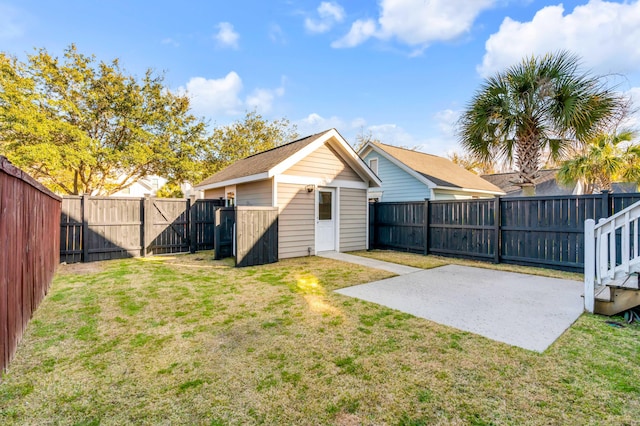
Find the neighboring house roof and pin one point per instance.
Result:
(545, 183)
(274, 161)
(441, 172)
(624, 187)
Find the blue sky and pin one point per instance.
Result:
(400, 69)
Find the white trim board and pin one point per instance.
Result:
(236, 181)
(309, 180)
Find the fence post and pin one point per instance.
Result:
(497, 218)
(147, 225)
(216, 234)
(191, 213)
(372, 226)
(589, 265)
(85, 227)
(607, 208)
(426, 227)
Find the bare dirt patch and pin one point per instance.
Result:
(80, 268)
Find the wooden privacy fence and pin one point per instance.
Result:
(29, 240)
(250, 234)
(256, 235)
(536, 231)
(102, 228)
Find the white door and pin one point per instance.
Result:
(326, 220)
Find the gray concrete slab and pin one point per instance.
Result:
(371, 263)
(527, 311)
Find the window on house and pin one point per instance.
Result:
(324, 205)
(231, 199)
(373, 165)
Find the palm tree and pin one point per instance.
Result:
(543, 103)
(606, 158)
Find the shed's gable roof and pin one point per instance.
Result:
(441, 172)
(268, 163)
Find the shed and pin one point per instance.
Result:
(409, 175)
(319, 185)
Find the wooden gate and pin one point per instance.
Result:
(256, 235)
(166, 224)
(102, 228)
(225, 232)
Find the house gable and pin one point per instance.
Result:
(397, 184)
(324, 163)
(444, 179)
(276, 161)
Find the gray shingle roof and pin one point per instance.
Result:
(545, 183)
(261, 162)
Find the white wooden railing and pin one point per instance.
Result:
(600, 245)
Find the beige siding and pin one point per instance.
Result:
(353, 219)
(325, 163)
(296, 223)
(254, 194)
(214, 193)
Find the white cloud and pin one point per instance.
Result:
(276, 34)
(446, 122)
(170, 41)
(226, 36)
(215, 96)
(633, 120)
(12, 22)
(262, 99)
(360, 31)
(392, 134)
(314, 123)
(329, 14)
(358, 123)
(223, 96)
(417, 23)
(605, 34)
(439, 141)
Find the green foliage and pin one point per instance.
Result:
(83, 126)
(471, 163)
(170, 190)
(543, 103)
(241, 139)
(606, 158)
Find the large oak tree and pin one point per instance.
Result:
(83, 126)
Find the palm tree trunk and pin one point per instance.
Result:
(527, 162)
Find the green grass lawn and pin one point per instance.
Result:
(428, 262)
(188, 340)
